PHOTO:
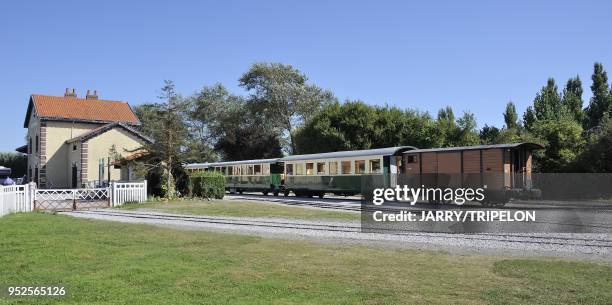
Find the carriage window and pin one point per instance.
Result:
(249, 169)
(266, 169)
(223, 170)
(289, 169)
(299, 168)
(411, 159)
(360, 167)
(346, 167)
(321, 168)
(230, 170)
(309, 168)
(375, 166)
(257, 169)
(333, 168)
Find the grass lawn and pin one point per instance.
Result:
(241, 208)
(115, 263)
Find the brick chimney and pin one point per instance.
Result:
(69, 93)
(93, 96)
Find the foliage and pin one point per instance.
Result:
(601, 102)
(207, 185)
(572, 99)
(563, 142)
(355, 125)
(165, 123)
(281, 93)
(456, 132)
(16, 162)
(597, 155)
(510, 116)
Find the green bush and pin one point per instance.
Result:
(207, 185)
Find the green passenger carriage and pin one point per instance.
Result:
(263, 175)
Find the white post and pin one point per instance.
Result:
(144, 192)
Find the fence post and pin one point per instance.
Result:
(145, 192)
(33, 194)
(74, 204)
(111, 195)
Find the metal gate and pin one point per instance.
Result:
(71, 199)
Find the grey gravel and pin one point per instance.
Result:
(562, 245)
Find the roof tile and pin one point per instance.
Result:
(60, 107)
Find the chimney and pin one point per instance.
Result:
(93, 96)
(70, 94)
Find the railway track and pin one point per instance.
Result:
(556, 240)
(354, 205)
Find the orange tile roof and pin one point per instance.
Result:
(60, 107)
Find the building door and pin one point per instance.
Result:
(74, 176)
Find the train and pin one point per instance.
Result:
(503, 169)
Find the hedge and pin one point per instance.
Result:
(207, 185)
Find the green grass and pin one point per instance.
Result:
(115, 263)
(241, 209)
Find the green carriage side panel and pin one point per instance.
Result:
(326, 183)
(248, 182)
(387, 170)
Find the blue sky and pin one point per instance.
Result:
(472, 55)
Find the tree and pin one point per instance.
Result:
(597, 155)
(244, 134)
(489, 134)
(601, 101)
(16, 162)
(529, 118)
(165, 123)
(510, 116)
(456, 132)
(547, 104)
(283, 95)
(563, 141)
(572, 99)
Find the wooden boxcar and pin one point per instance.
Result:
(504, 170)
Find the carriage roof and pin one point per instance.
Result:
(388, 151)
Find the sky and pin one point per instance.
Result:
(472, 55)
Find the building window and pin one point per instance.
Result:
(375, 166)
(321, 168)
(360, 167)
(333, 168)
(346, 167)
(289, 169)
(30, 149)
(309, 168)
(37, 143)
(74, 147)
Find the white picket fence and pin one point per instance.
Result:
(23, 198)
(128, 192)
(16, 198)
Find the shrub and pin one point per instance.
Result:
(207, 185)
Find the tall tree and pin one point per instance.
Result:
(572, 98)
(165, 123)
(601, 101)
(547, 104)
(283, 95)
(529, 118)
(510, 116)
